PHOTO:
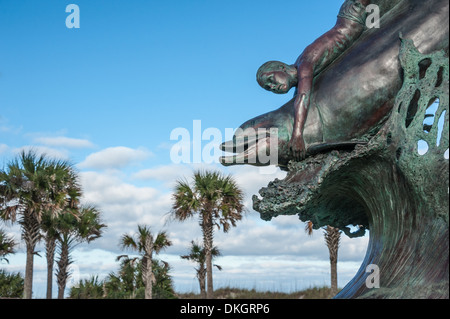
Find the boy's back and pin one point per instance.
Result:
(350, 24)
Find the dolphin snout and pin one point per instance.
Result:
(248, 147)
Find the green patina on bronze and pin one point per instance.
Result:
(386, 187)
(361, 164)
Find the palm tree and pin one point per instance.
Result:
(22, 187)
(82, 225)
(30, 185)
(65, 194)
(7, 244)
(217, 200)
(332, 238)
(146, 244)
(113, 287)
(197, 254)
(163, 287)
(128, 282)
(91, 288)
(129, 279)
(11, 285)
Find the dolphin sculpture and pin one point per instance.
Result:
(354, 95)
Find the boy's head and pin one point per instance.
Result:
(276, 76)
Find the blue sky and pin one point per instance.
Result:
(107, 96)
(135, 70)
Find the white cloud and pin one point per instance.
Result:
(48, 151)
(115, 158)
(353, 248)
(166, 173)
(259, 238)
(169, 174)
(251, 179)
(109, 188)
(3, 148)
(123, 205)
(62, 141)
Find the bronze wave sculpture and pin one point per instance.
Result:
(361, 164)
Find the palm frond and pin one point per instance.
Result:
(162, 241)
(309, 227)
(127, 241)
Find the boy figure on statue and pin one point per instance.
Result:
(279, 77)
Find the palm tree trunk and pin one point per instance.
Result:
(28, 281)
(62, 273)
(332, 238)
(201, 274)
(149, 280)
(50, 246)
(149, 268)
(334, 286)
(31, 235)
(208, 243)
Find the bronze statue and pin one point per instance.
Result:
(349, 141)
(352, 97)
(279, 77)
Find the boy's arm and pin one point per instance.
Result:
(301, 105)
(313, 60)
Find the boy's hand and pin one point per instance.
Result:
(297, 147)
(297, 143)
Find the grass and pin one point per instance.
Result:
(237, 293)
